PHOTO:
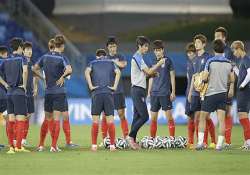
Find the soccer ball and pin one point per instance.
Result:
(166, 143)
(159, 142)
(106, 142)
(182, 142)
(147, 142)
(121, 143)
(171, 141)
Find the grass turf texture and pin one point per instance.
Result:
(83, 161)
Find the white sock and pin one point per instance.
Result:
(94, 146)
(248, 142)
(200, 138)
(220, 140)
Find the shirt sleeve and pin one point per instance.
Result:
(66, 61)
(122, 58)
(40, 62)
(143, 65)
(171, 66)
(24, 61)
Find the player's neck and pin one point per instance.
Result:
(16, 53)
(242, 54)
(112, 54)
(200, 52)
(218, 54)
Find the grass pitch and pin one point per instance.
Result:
(125, 162)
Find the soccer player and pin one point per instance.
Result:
(162, 90)
(191, 54)
(139, 72)
(243, 89)
(218, 73)
(119, 97)
(31, 89)
(15, 83)
(3, 90)
(194, 96)
(221, 33)
(56, 67)
(102, 77)
(48, 121)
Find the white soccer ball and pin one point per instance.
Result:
(121, 143)
(106, 142)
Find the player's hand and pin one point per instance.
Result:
(93, 88)
(189, 97)
(35, 92)
(241, 88)
(60, 82)
(161, 62)
(24, 88)
(112, 88)
(6, 86)
(172, 96)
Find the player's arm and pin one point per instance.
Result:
(150, 83)
(35, 85)
(117, 78)
(152, 71)
(246, 79)
(25, 76)
(191, 89)
(231, 79)
(172, 78)
(67, 72)
(120, 63)
(4, 83)
(88, 79)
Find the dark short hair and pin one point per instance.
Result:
(15, 43)
(59, 40)
(158, 44)
(100, 52)
(218, 46)
(27, 44)
(223, 30)
(3, 49)
(201, 37)
(141, 40)
(111, 40)
(190, 47)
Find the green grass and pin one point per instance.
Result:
(144, 162)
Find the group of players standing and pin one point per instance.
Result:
(210, 88)
(19, 78)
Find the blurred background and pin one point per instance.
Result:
(87, 24)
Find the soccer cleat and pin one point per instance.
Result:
(58, 149)
(199, 147)
(212, 146)
(71, 145)
(132, 143)
(25, 143)
(190, 146)
(93, 148)
(11, 151)
(23, 150)
(112, 148)
(40, 149)
(227, 146)
(218, 148)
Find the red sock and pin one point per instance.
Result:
(19, 133)
(124, 126)
(66, 129)
(196, 128)
(51, 127)
(171, 127)
(153, 128)
(6, 127)
(104, 126)
(111, 131)
(15, 131)
(26, 128)
(211, 130)
(56, 133)
(10, 132)
(43, 132)
(94, 133)
(246, 127)
(205, 140)
(228, 128)
(191, 128)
